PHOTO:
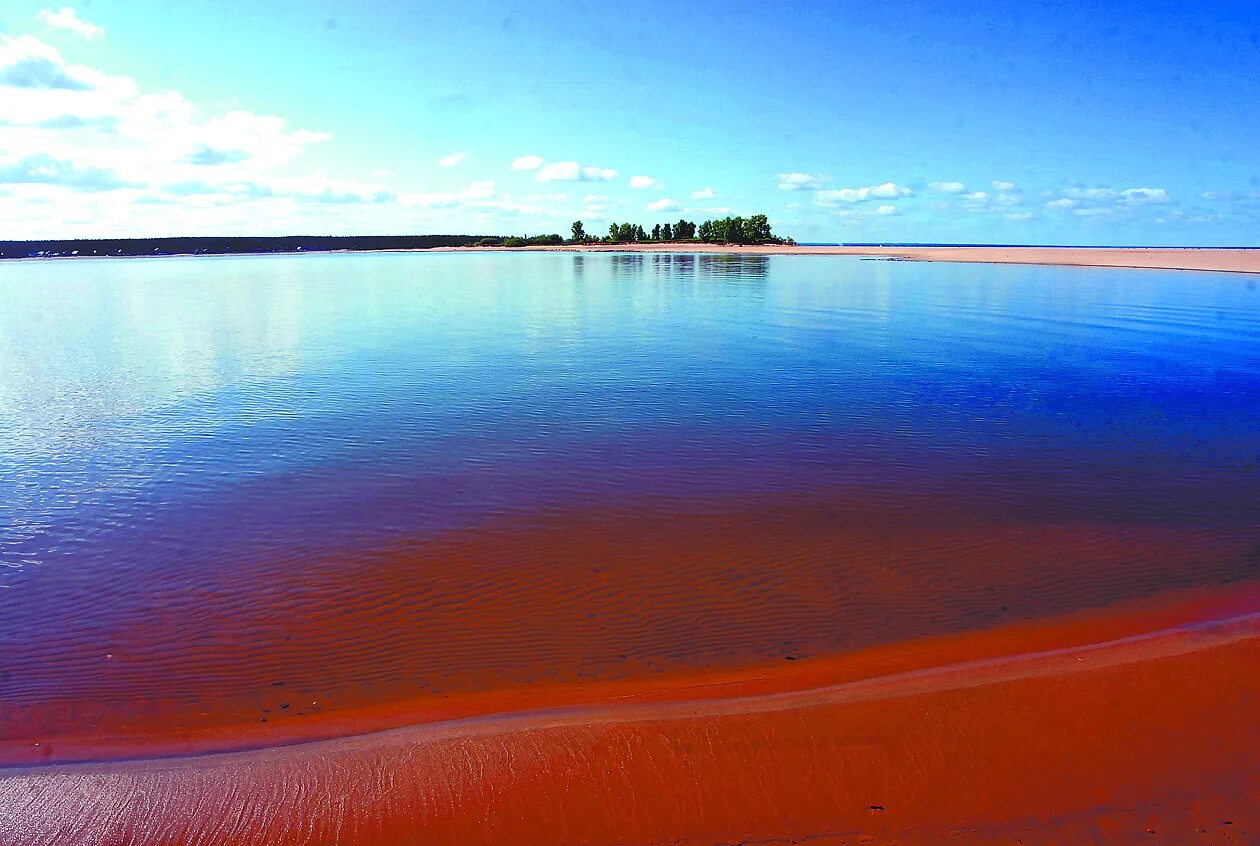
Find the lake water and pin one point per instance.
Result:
(377, 477)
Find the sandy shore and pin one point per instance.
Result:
(1232, 261)
(1134, 726)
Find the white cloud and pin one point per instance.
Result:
(801, 181)
(664, 205)
(948, 187)
(858, 212)
(573, 172)
(1127, 196)
(91, 119)
(84, 152)
(642, 182)
(1026, 215)
(1077, 193)
(452, 160)
(703, 194)
(1231, 196)
(886, 190)
(527, 162)
(1101, 200)
(1001, 185)
(66, 18)
(1145, 196)
(28, 64)
(978, 196)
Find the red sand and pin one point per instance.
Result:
(1236, 261)
(1140, 739)
(597, 678)
(586, 607)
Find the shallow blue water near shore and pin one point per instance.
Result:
(163, 418)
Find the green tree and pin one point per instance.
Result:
(656, 232)
(757, 229)
(667, 233)
(579, 233)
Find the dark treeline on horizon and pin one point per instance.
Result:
(728, 230)
(226, 245)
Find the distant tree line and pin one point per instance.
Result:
(727, 230)
(227, 245)
(552, 240)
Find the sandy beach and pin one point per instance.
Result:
(960, 738)
(1231, 261)
(909, 738)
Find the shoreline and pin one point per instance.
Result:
(1209, 259)
(1245, 260)
(846, 747)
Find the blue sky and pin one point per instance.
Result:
(1010, 122)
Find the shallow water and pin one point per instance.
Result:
(228, 483)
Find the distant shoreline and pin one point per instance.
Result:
(1215, 259)
(1211, 259)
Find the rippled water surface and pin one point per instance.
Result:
(375, 477)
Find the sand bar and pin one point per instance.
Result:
(1220, 260)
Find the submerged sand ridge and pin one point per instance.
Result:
(1147, 738)
(1189, 258)
(480, 621)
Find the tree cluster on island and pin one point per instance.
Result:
(726, 230)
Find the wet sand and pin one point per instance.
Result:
(648, 681)
(1134, 726)
(1233, 261)
(562, 610)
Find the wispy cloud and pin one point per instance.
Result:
(858, 212)
(66, 18)
(948, 187)
(886, 190)
(573, 172)
(801, 181)
(642, 182)
(1098, 201)
(664, 204)
(527, 162)
(452, 159)
(703, 194)
(44, 169)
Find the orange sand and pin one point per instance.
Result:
(1025, 734)
(575, 610)
(1235, 261)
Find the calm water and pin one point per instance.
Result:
(176, 434)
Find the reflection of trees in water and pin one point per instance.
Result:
(726, 266)
(674, 265)
(634, 266)
(579, 265)
(626, 265)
